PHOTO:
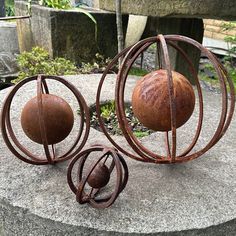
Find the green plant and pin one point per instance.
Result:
(228, 26)
(110, 120)
(138, 71)
(58, 4)
(141, 134)
(38, 61)
(9, 6)
(231, 40)
(108, 109)
(98, 65)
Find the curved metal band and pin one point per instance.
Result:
(121, 176)
(41, 120)
(7, 130)
(130, 57)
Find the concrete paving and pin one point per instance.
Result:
(194, 198)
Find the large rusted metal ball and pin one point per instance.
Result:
(100, 176)
(57, 117)
(151, 100)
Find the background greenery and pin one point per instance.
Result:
(38, 61)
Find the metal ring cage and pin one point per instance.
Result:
(92, 197)
(163, 42)
(22, 152)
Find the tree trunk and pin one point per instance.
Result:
(120, 36)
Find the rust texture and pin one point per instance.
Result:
(173, 102)
(46, 119)
(97, 176)
(150, 96)
(57, 115)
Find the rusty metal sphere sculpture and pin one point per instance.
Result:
(97, 176)
(100, 176)
(57, 115)
(170, 108)
(46, 119)
(150, 96)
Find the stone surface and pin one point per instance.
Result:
(8, 48)
(8, 37)
(194, 198)
(70, 34)
(217, 9)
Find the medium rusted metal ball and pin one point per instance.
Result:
(151, 101)
(57, 116)
(99, 177)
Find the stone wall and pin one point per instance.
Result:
(68, 34)
(214, 29)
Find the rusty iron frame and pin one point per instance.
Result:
(141, 153)
(130, 55)
(10, 137)
(92, 198)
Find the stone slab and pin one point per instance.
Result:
(212, 9)
(194, 198)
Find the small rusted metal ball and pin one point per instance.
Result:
(99, 177)
(151, 101)
(57, 116)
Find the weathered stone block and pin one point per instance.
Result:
(70, 33)
(8, 48)
(8, 37)
(217, 9)
(24, 32)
